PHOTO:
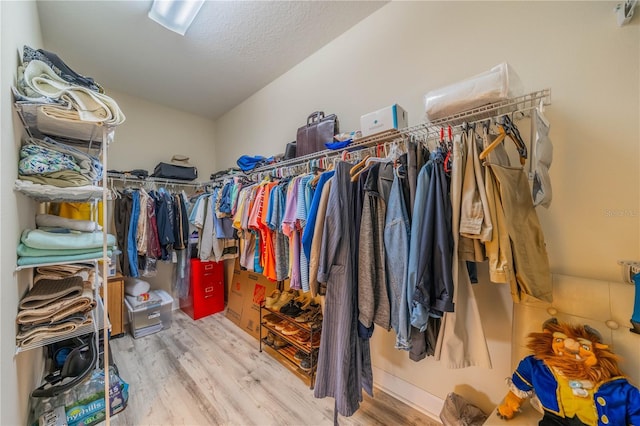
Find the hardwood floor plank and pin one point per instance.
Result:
(210, 372)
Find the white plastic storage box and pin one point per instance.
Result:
(166, 308)
(148, 319)
(391, 117)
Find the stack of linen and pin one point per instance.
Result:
(48, 162)
(59, 302)
(59, 239)
(66, 97)
(58, 103)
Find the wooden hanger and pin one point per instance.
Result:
(359, 165)
(514, 136)
(314, 181)
(493, 144)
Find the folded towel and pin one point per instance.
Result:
(56, 272)
(45, 292)
(34, 252)
(31, 335)
(36, 238)
(64, 270)
(51, 220)
(91, 106)
(35, 260)
(57, 310)
(62, 179)
(51, 193)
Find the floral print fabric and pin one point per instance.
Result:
(37, 160)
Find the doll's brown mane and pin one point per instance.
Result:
(607, 362)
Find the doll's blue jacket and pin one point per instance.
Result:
(616, 400)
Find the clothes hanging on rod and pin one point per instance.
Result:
(461, 340)
(395, 244)
(344, 359)
(150, 226)
(211, 215)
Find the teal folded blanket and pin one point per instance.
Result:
(34, 252)
(25, 261)
(36, 238)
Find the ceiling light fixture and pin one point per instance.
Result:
(175, 15)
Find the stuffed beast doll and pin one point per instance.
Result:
(576, 378)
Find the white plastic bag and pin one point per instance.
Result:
(497, 84)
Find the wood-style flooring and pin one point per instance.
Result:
(210, 372)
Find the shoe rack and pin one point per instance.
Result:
(288, 339)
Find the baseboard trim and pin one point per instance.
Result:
(419, 399)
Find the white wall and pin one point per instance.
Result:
(153, 133)
(408, 48)
(18, 373)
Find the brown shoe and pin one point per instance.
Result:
(279, 342)
(302, 336)
(309, 314)
(285, 298)
(291, 330)
(270, 300)
(314, 342)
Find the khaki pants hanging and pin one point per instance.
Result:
(461, 340)
(531, 263)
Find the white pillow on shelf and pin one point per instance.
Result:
(135, 286)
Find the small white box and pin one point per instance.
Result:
(391, 117)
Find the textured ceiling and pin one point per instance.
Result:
(232, 49)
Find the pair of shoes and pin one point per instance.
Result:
(314, 342)
(302, 337)
(279, 342)
(292, 309)
(291, 330)
(305, 364)
(284, 298)
(316, 323)
(288, 351)
(305, 300)
(300, 355)
(270, 300)
(271, 319)
(268, 339)
(310, 314)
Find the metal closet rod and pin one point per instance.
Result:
(365, 142)
(173, 182)
(518, 105)
(521, 104)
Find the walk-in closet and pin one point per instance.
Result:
(316, 213)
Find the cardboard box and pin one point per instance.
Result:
(255, 288)
(391, 117)
(234, 300)
(246, 293)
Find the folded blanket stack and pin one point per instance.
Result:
(69, 97)
(49, 162)
(54, 307)
(58, 272)
(63, 104)
(61, 244)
